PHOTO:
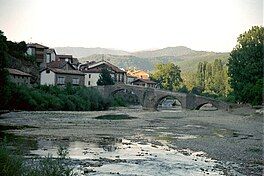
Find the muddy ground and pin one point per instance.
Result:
(234, 138)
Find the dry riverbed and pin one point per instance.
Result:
(147, 143)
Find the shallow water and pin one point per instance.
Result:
(126, 157)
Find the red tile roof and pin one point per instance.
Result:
(17, 72)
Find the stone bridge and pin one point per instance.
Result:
(150, 97)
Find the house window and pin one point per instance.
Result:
(61, 80)
(48, 58)
(48, 71)
(89, 75)
(89, 83)
(75, 81)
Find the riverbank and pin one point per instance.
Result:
(232, 138)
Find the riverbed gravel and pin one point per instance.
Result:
(234, 138)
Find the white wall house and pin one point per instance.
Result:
(91, 79)
(47, 77)
(92, 73)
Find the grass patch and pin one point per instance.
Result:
(114, 117)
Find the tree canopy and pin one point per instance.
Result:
(246, 66)
(105, 78)
(212, 78)
(168, 76)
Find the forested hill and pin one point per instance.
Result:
(186, 58)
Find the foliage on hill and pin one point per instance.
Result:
(246, 66)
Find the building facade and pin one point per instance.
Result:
(19, 77)
(61, 73)
(93, 70)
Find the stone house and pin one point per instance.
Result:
(19, 77)
(61, 73)
(42, 53)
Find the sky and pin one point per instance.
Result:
(131, 25)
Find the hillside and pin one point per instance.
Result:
(187, 63)
(169, 51)
(186, 58)
(84, 52)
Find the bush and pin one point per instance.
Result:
(10, 163)
(55, 98)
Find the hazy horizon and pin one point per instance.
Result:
(138, 25)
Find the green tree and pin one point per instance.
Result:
(168, 75)
(4, 88)
(105, 78)
(200, 75)
(246, 66)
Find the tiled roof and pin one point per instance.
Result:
(36, 45)
(94, 70)
(69, 72)
(17, 72)
(57, 64)
(145, 81)
(113, 67)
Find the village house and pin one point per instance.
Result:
(50, 55)
(144, 82)
(93, 69)
(61, 73)
(19, 77)
(68, 58)
(40, 52)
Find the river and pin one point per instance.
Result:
(135, 142)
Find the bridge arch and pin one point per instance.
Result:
(198, 107)
(133, 97)
(163, 98)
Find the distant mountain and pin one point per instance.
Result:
(186, 58)
(169, 51)
(84, 52)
